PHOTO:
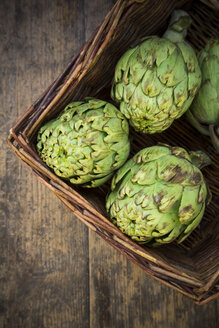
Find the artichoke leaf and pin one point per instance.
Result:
(167, 196)
(150, 154)
(191, 226)
(146, 174)
(189, 206)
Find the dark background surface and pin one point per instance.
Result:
(54, 272)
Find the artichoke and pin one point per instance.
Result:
(86, 143)
(204, 111)
(156, 81)
(159, 195)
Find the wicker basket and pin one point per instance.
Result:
(191, 268)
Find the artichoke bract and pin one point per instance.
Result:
(159, 195)
(86, 143)
(156, 81)
(204, 111)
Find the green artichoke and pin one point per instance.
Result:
(204, 111)
(159, 195)
(156, 81)
(86, 143)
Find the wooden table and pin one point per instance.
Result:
(54, 272)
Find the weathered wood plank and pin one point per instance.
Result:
(44, 248)
(123, 296)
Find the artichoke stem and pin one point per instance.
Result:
(179, 23)
(200, 159)
(196, 123)
(214, 137)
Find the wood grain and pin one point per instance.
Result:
(44, 268)
(54, 273)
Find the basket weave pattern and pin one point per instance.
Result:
(193, 267)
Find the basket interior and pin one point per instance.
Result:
(195, 250)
